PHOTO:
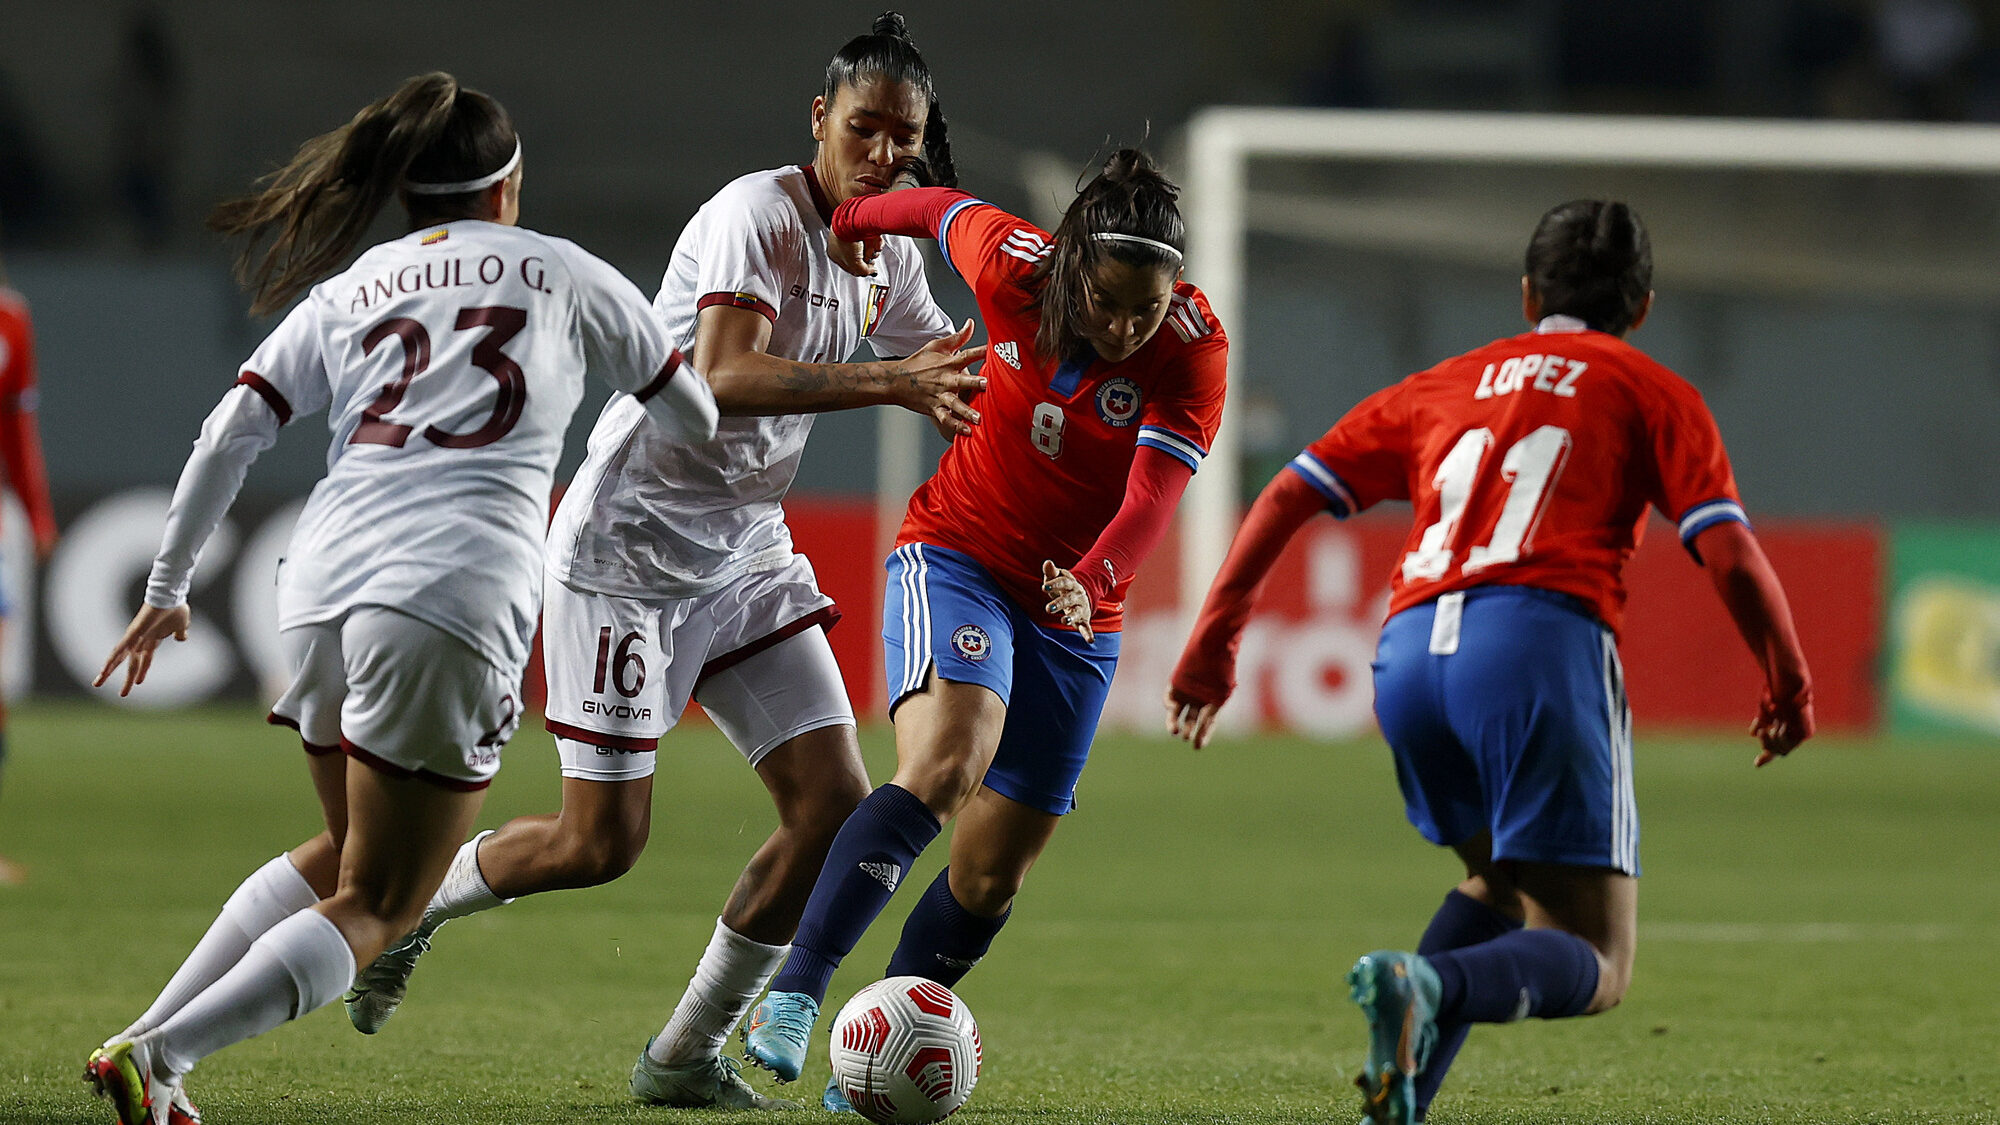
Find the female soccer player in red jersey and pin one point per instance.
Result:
(1530, 463)
(20, 462)
(1012, 563)
(448, 361)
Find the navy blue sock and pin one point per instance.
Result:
(942, 940)
(868, 859)
(1461, 921)
(1543, 973)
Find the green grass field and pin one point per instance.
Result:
(1818, 939)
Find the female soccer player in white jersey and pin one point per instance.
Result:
(672, 574)
(449, 362)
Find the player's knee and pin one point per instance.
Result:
(815, 818)
(944, 784)
(601, 856)
(985, 891)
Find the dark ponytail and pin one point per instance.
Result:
(1131, 196)
(888, 53)
(316, 208)
(1591, 259)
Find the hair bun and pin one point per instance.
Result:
(892, 24)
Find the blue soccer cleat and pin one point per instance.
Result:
(1398, 993)
(780, 1026)
(833, 1101)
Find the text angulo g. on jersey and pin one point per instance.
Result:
(449, 273)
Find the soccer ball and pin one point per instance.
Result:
(905, 1051)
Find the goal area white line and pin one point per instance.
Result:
(1222, 140)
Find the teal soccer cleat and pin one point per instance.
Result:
(779, 1029)
(1398, 993)
(833, 1101)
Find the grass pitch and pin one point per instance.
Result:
(1817, 939)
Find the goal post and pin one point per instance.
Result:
(1222, 210)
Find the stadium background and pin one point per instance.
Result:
(1816, 940)
(1843, 327)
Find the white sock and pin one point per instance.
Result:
(272, 893)
(733, 970)
(464, 890)
(300, 964)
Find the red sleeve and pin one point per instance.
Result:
(20, 439)
(1152, 490)
(1696, 486)
(1184, 417)
(1364, 459)
(1207, 668)
(911, 213)
(974, 236)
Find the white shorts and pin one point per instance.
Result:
(753, 653)
(399, 694)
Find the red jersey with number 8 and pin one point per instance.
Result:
(1045, 469)
(1530, 462)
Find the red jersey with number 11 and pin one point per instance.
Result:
(1045, 469)
(1530, 462)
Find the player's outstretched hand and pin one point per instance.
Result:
(1189, 719)
(149, 627)
(1781, 725)
(857, 258)
(936, 383)
(1067, 599)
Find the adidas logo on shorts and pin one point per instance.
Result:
(1009, 353)
(887, 874)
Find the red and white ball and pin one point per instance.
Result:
(905, 1051)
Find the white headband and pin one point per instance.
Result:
(464, 186)
(1107, 236)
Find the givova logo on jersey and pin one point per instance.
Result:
(1118, 402)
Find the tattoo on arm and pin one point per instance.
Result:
(803, 378)
(817, 378)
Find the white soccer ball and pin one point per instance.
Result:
(905, 1051)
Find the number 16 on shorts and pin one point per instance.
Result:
(606, 668)
(621, 669)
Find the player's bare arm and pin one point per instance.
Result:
(1749, 589)
(934, 381)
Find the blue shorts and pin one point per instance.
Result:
(1505, 709)
(943, 611)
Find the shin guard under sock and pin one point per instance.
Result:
(1544, 973)
(1461, 920)
(942, 940)
(868, 859)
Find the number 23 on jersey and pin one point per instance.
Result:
(503, 323)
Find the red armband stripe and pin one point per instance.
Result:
(667, 372)
(749, 301)
(268, 393)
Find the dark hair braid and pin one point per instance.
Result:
(888, 53)
(1591, 259)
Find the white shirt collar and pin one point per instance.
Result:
(1560, 323)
